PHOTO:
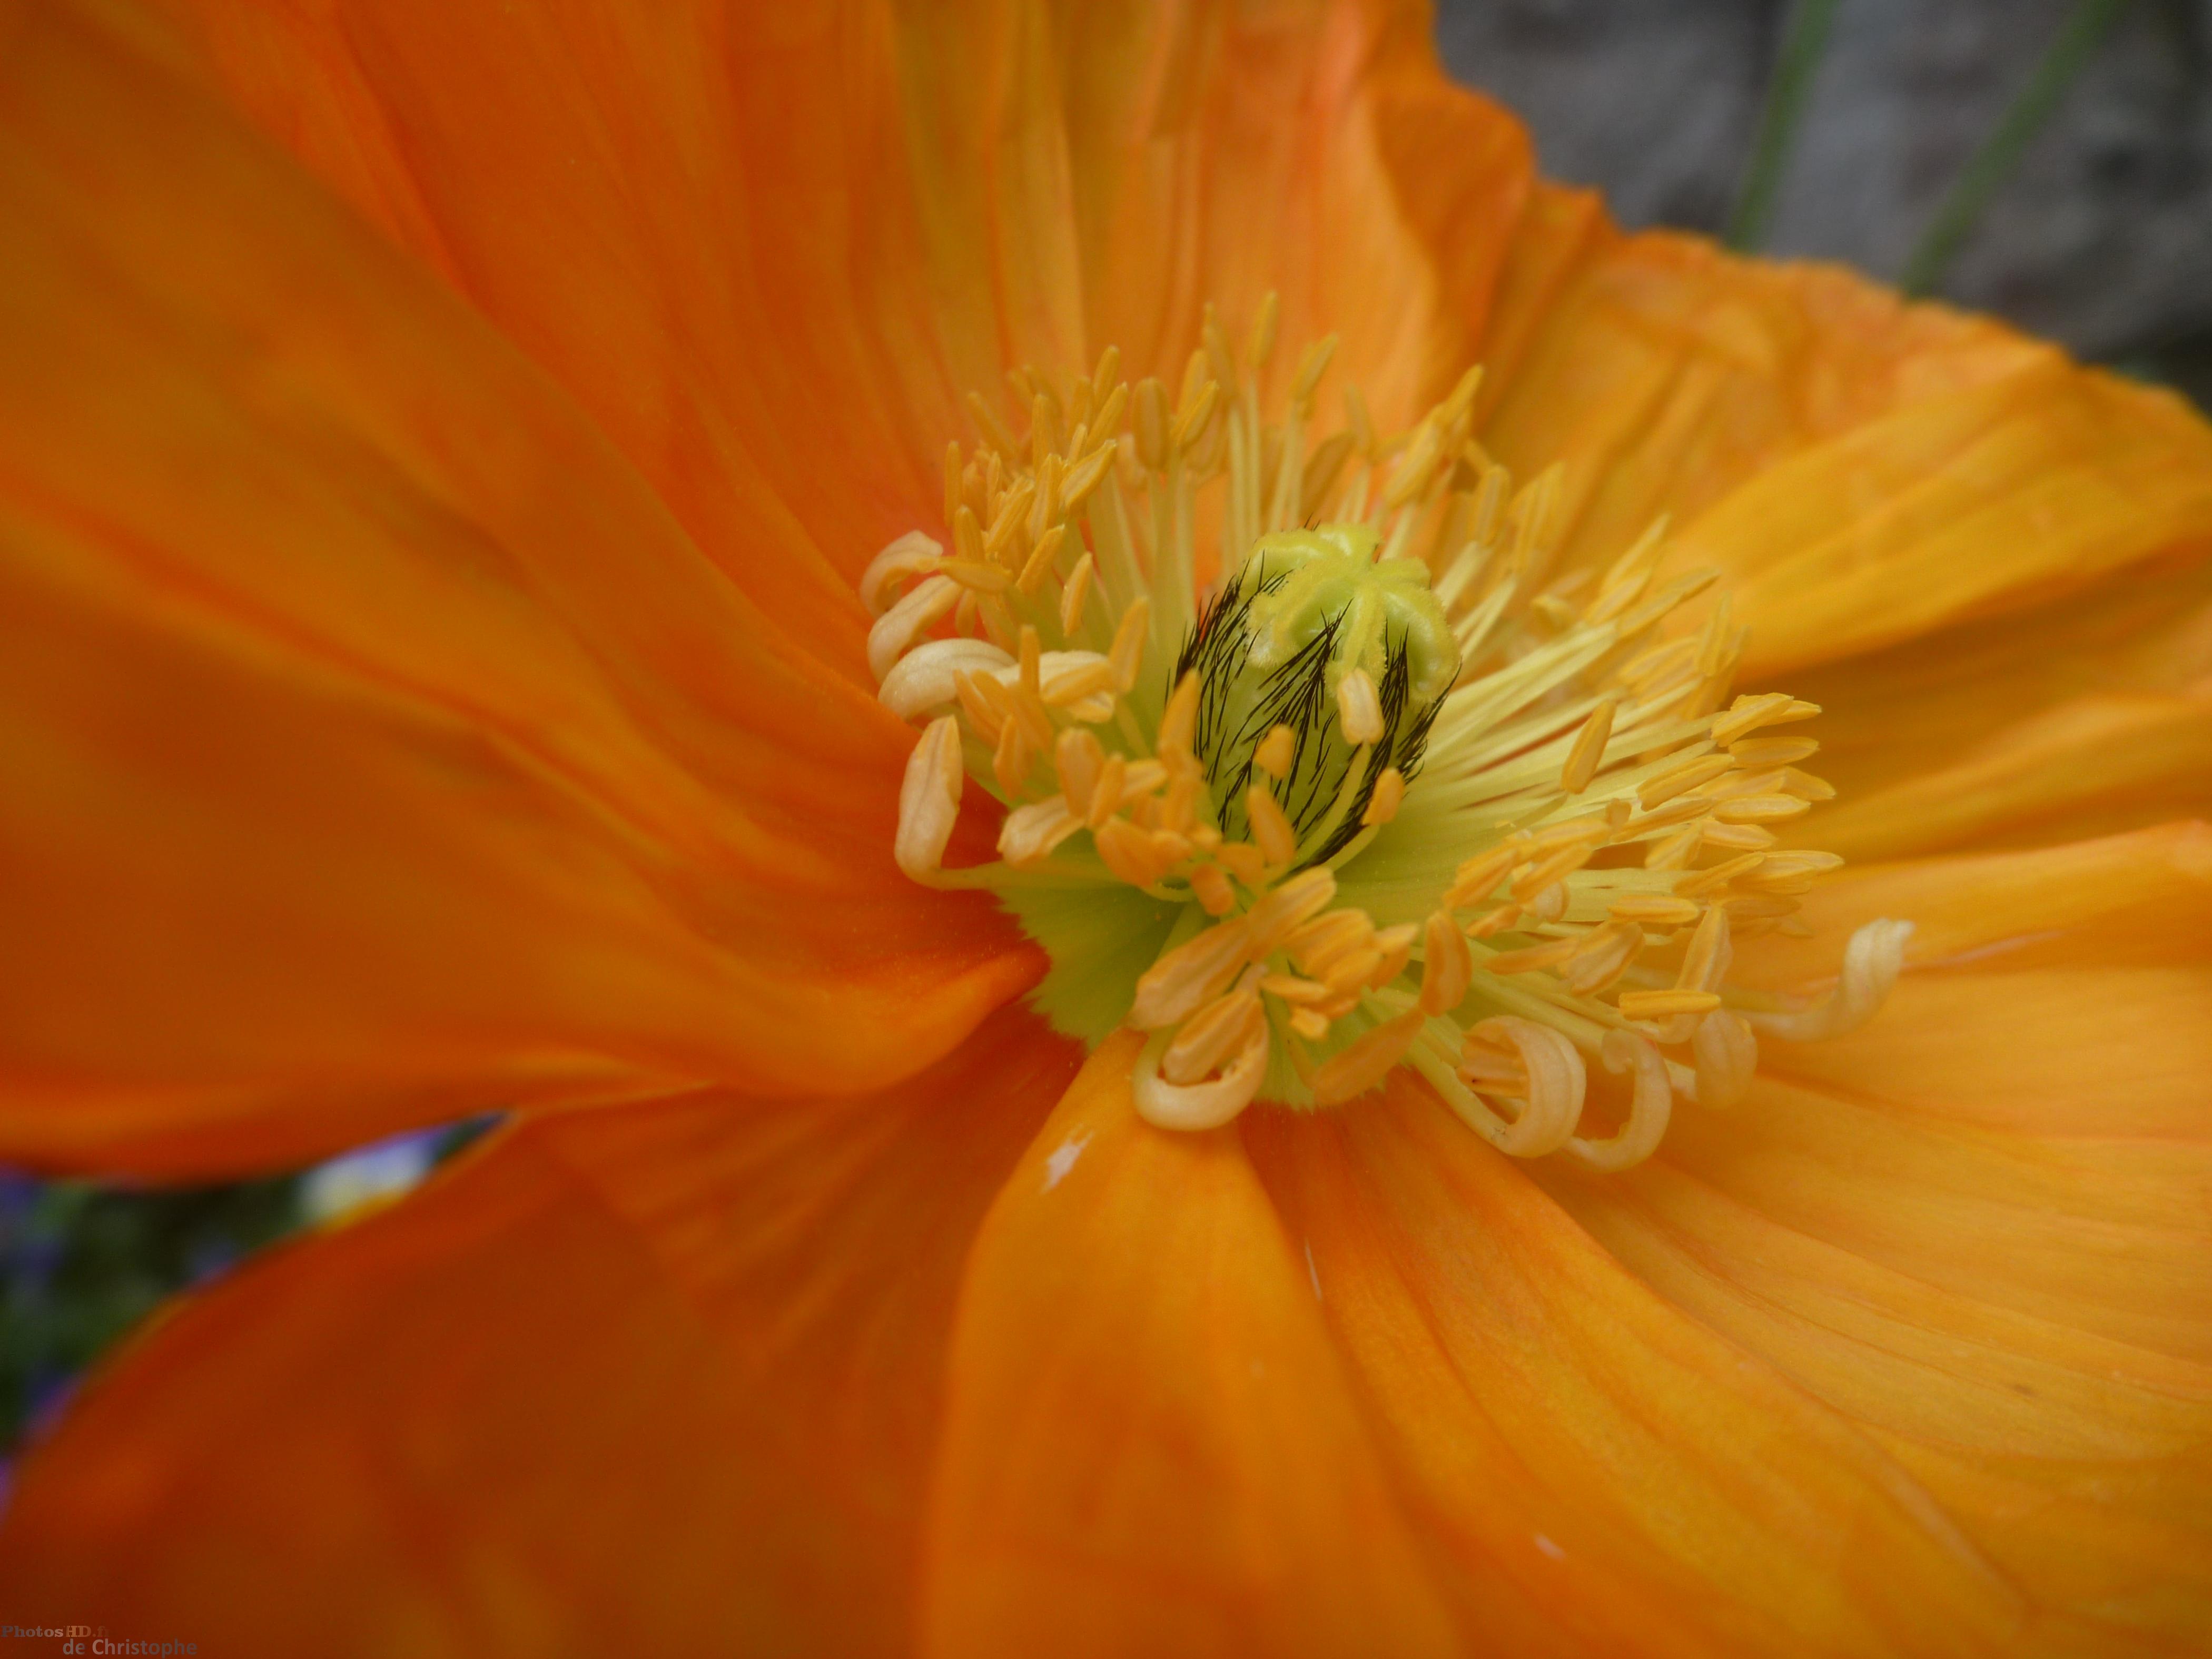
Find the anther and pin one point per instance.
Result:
(1031, 832)
(1589, 749)
(1271, 828)
(1389, 793)
(1727, 1054)
(1274, 753)
(1211, 884)
(1078, 760)
(911, 555)
(1289, 908)
(1679, 778)
(1010, 762)
(1311, 367)
(1190, 974)
(1366, 1059)
(1447, 966)
(1128, 646)
(1211, 1035)
(929, 801)
(1180, 722)
(1478, 877)
(1748, 714)
(1656, 910)
(1603, 957)
(1664, 1005)
(1712, 880)
(1201, 1105)
(1773, 751)
(1531, 957)
(1040, 560)
(1872, 962)
(1106, 793)
(1360, 707)
(898, 628)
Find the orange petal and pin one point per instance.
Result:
(1864, 470)
(1639, 1485)
(1977, 1227)
(1317, 149)
(768, 250)
(2090, 765)
(685, 216)
(661, 1379)
(378, 747)
(2079, 718)
(1148, 1445)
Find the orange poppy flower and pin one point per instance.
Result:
(440, 449)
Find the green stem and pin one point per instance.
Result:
(1802, 44)
(1990, 165)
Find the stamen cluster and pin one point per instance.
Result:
(1594, 825)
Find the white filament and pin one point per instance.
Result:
(1168, 1105)
(923, 679)
(904, 622)
(1872, 962)
(910, 556)
(1557, 1083)
(929, 801)
(1648, 1112)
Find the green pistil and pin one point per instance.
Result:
(1308, 607)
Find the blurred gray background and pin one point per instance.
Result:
(2100, 237)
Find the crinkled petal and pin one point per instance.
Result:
(657, 1379)
(377, 746)
(1149, 1445)
(770, 248)
(2077, 719)
(1613, 1476)
(1863, 469)
(1977, 1228)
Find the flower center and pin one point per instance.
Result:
(1320, 669)
(1393, 790)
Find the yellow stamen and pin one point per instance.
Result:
(1193, 973)
(1447, 967)
(1271, 828)
(1282, 914)
(1032, 831)
(1211, 883)
(929, 801)
(1389, 793)
(1589, 747)
(1010, 762)
(1127, 649)
(1527, 960)
(1656, 910)
(1361, 708)
(1662, 1004)
(1180, 722)
(1073, 595)
(1602, 956)
(1772, 751)
(1213, 1035)
(1274, 754)
(1367, 1060)
(1678, 780)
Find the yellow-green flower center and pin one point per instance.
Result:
(1399, 788)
